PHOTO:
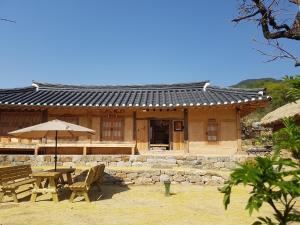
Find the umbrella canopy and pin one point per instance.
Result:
(54, 129)
(49, 129)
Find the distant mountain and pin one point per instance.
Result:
(256, 83)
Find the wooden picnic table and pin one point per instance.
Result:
(52, 177)
(67, 171)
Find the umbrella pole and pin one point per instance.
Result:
(55, 157)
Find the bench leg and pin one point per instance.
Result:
(33, 197)
(36, 186)
(14, 195)
(86, 196)
(1, 196)
(73, 195)
(55, 197)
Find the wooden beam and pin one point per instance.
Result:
(186, 130)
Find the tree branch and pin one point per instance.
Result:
(297, 2)
(270, 27)
(245, 17)
(268, 15)
(283, 54)
(271, 203)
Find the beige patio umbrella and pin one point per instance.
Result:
(53, 129)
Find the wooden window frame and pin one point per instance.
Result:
(214, 132)
(122, 129)
(178, 125)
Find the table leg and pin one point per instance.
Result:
(37, 185)
(53, 185)
(46, 182)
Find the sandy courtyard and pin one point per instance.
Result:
(189, 204)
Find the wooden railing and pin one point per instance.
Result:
(36, 144)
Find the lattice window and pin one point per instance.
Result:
(112, 128)
(212, 130)
(10, 121)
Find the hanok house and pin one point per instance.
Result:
(194, 118)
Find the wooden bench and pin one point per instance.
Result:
(94, 177)
(259, 150)
(13, 177)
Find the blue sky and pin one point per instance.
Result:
(130, 42)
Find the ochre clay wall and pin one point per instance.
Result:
(226, 135)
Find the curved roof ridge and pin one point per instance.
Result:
(116, 87)
(236, 90)
(16, 90)
(158, 95)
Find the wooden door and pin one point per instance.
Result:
(178, 138)
(142, 135)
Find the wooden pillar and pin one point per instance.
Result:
(84, 150)
(89, 125)
(186, 130)
(134, 126)
(36, 150)
(171, 130)
(238, 129)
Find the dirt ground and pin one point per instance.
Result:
(189, 204)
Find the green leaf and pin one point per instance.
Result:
(292, 217)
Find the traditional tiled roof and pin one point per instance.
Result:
(161, 95)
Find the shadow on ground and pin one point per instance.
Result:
(107, 191)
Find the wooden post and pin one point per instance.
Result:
(36, 150)
(44, 119)
(84, 150)
(89, 125)
(171, 130)
(134, 126)
(186, 131)
(238, 129)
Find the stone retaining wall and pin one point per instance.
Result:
(154, 161)
(153, 176)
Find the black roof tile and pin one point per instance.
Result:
(158, 95)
